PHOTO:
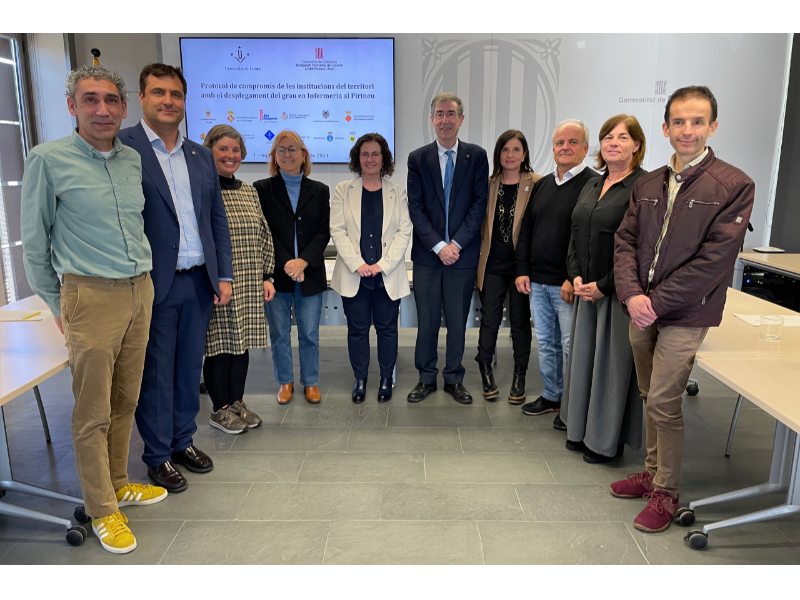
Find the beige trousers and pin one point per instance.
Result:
(664, 357)
(106, 326)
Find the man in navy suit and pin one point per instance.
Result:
(448, 182)
(184, 220)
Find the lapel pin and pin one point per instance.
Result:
(193, 152)
(526, 189)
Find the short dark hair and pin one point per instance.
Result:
(634, 130)
(692, 91)
(504, 138)
(160, 70)
(387, 166)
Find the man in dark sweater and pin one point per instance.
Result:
(542, 260)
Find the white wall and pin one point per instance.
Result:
(49, 69)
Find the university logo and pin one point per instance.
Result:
(330, 136)
(352, 136)
(202, 136)
(326, 114)
(661, 88)
(317, 52)
(348, 118)
(531, 68)
(283, 116)
(240, 56)
(269, 135)
(208, 112)
(231, 118)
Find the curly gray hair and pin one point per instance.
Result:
(95, 72)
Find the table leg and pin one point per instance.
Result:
(779, 475)
(41, 413)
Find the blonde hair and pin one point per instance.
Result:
(274, 169)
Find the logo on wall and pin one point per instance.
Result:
(208, 112)
(231, 118)
(661, 87)
(326, 114)
(352, 136)
(283, 116)
(202, 136)
(269, 135)
(530, 66)
(318, 53)
(240, 56)
(348, 118)
(330, 136)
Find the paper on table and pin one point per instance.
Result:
(755, 320)
(19, 315)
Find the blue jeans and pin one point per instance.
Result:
(307, 313)
(552, 324)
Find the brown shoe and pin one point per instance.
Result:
(313, 395)
(285, 393)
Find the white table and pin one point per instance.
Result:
(768, 374)
(30, 353)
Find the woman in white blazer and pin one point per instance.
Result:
(371, 229)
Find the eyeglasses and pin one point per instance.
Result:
(440, 114)
(281, 150)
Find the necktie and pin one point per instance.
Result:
(448, 183)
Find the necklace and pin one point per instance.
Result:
(506, 226)
(623, 176)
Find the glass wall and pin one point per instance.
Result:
(13, 150)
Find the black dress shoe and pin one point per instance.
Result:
(458, 392)
(517, 393)
(576, 446)
(490, 391)
(359, 390)
(421, 391)
(168, 476)
(385, 389)
(194, 459)
(559, 424)
(593, 458)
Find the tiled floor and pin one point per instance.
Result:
(433, 483)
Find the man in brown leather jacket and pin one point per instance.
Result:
(674, 257)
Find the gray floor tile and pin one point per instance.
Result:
(509, 415)
(249, 543)
(312, 501)
(209, 438)
(31, 439)
(363, 467)
(558, 543)
(31, 466)
(487, 468)
(51, 548)
(512, 440)
(201, 501)
(579, 502)
(569, 467)
(249, 467)
(286, 439)
(758, 543)
(404, 439)
(65, 470)
(336, 416)
(449, 501)
(438, 416)
(403, 543)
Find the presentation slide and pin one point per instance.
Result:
(329, 91)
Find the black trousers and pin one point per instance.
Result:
(493, 296)
(225, 375)
(436, 288)
(371, 307)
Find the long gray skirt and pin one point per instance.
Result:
(601, 404)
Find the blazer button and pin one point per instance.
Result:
(299, 218)
(175, 246)
(384, 244)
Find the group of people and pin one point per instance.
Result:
(159, 264)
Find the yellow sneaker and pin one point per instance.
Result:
(139, 494)
(114, 534)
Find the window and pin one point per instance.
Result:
(13, 150)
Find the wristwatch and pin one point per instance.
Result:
(271, 279)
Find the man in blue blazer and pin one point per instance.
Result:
(184, 220)
(448, 182)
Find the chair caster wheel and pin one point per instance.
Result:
(697, 539)
(693, 389)
(80, 515)
(76, 536)
(684, 517)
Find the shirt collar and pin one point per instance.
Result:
(696, 161)
(90, 150)
(442, 149)
(153, 136)
(569, 174)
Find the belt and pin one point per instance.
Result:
(189, 270)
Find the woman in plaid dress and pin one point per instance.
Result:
(240, 324)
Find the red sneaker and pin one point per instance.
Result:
(637, 485)
(657, 515)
